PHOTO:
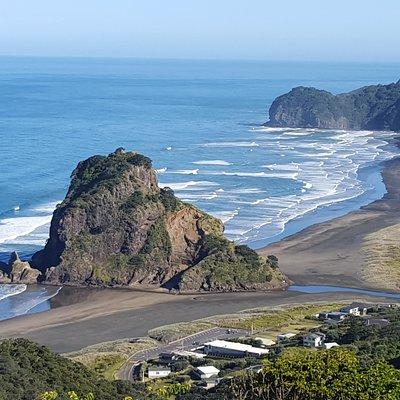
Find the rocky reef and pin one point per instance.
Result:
(117, 227)
(17, 271)
(371, 108)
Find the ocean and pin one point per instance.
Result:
(201, 124)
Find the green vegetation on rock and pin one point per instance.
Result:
(117, 227)
(371, 107)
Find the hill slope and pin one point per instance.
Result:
(27, 370)
(117, 227)
(371, 107)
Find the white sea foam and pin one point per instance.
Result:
(9, 290)
(324, 171)
(185, 172)
(282, 175)
(33, 301)
(28, 229)
(225, 216)
(282, 167)
(269, 129)
(211, 162)
(12, 228)
(190, 185)
(231, 144)
(161, 170)
(46, 208)
(194, 197)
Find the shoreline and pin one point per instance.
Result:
(109, 315)
(324, 213)
(331, 252)
(325, 253)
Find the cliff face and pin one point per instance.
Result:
(371, 107)
(117, 227)
(18, 271)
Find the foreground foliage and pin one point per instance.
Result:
(28, 370)
(302, 374)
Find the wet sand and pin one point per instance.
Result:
(330, 253)
(115, 314)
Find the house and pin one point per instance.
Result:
(314, 339)
(355, 309)
(232, 349)
(187, 354)
(285, 336)
(158, 372)
(378, 322)
(330, 345)
(333, 316)
(166, 358)
(210, 383)
(206, 372)
(336, 316)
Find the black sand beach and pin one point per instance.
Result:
(328, 253)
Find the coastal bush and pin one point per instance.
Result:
(371, 343)
(101, 171)
(158, 241)
(168, 199)
(212, 244)
(302, 374)
(134, 200)
(28, 370)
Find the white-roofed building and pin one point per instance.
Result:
(314, 339)
(330, 345)
(158, 372)
(207, 372)
(232, 349)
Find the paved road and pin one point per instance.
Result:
(186, 343)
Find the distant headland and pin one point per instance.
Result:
(370, 108)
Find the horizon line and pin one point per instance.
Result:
(277, 60)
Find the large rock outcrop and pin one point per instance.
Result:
(18, 271)
(371, 107)
(117, 227)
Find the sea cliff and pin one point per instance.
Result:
(371, 108)
(117, 227)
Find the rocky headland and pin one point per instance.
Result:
(18, 271)
(116, 227)
(371, 108)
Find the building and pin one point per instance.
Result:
(187, 354)
(206, 372)
(285, 336)
(336, 316)
(332, 316)
(158, 372)
(232, 349)
(210, 383)
(167, 358)
(355, 309)
(330, 345)
(314, 339)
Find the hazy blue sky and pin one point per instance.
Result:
(365, 30)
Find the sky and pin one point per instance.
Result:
(307, 30)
